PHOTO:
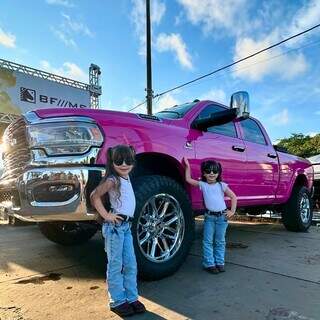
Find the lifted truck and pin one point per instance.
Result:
(54, 158)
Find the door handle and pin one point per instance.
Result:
(272, 155)
(238, 148)
(188, 145)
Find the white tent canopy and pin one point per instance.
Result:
(315, 160)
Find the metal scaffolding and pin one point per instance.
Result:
(7, 118)
(93, 87)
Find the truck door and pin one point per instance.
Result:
(223, 144)
(261, 182)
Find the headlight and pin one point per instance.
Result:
(64, 137)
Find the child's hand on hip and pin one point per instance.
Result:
(113, 218)
(229, 214)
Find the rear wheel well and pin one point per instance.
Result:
(301, 181)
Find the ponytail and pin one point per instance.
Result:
(109, 155)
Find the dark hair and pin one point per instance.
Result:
(120, 151)
(211, 165)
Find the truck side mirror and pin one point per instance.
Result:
(214, 119)
(240, 102)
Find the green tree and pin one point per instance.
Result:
(301, 145)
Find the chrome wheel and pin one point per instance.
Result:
(160, 228)
(305, 208)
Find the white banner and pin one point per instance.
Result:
(20, 93)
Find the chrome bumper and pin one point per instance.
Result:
(51, 194)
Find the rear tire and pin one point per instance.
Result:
(68, 233)
(298, 213)
(163, 227)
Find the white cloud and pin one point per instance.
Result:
(68, 70)
(286, 66)
(173, 42)
(178, 19)
(69, 29)
(306, 17)
(217, 95)
(312, 134)
(138, 17)
(7, 39)
(281, 118)
(254, 30)
(166, 101)
(217, 14)
(76, 27)
(296, 65)
(64, 3)
(64, 37)
(158, 10)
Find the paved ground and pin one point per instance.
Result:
(271, 274)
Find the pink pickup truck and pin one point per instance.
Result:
(55, 157)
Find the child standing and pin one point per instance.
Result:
(216, 215)
(116, 229)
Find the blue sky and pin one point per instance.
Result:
(190, 38)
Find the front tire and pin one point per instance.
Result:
(163, 227)
(298, 213)
(68, 233)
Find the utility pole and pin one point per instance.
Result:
(149, 67)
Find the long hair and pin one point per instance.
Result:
(211, 165)
(118, 152)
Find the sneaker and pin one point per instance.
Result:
(212, 270)
(221, 268)
(123, 310)
(138, 306)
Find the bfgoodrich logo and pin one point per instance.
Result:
(27, 95)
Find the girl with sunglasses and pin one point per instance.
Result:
(116, 230)
(216, 215)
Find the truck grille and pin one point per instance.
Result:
(5, 196)
(17, 154)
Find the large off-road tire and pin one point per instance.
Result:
(297, 215)
(68, 233)
(163, 227)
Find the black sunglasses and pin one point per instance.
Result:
(128, 161)
(209, 170)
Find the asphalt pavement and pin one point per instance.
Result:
(270, 274)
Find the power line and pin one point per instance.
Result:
(138, 105)
(309, 44)
(273, 57)
(238, 61)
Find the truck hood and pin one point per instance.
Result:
(100, 116)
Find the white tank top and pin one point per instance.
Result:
(126, 204)
(213, 195)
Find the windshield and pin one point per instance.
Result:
(176, 112)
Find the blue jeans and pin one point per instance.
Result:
(122, 266)
(214, 242)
